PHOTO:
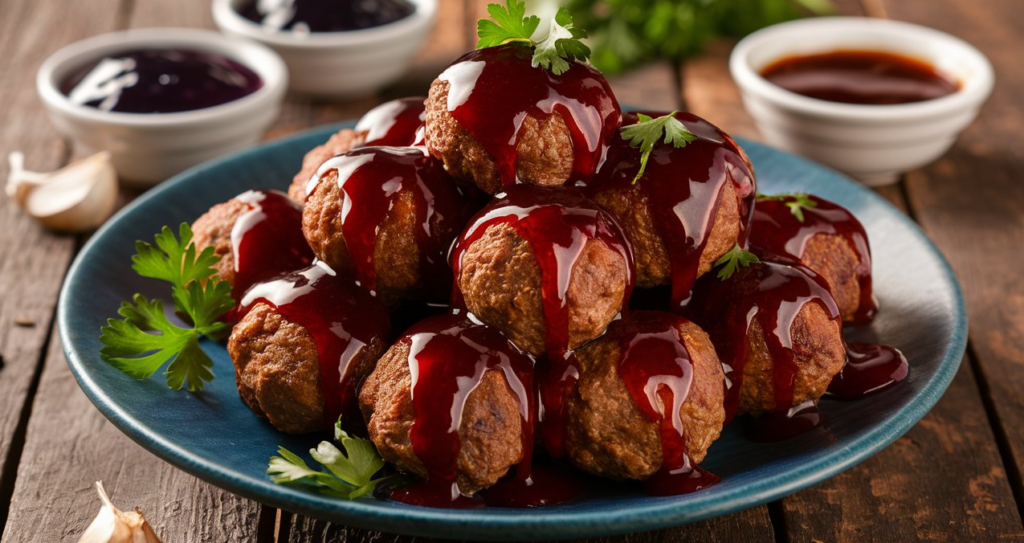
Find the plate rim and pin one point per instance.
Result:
(534, 523)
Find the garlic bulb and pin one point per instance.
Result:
(113, 526)
(75, 198)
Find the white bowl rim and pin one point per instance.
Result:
(972, 91)
(270, 68)
(230, 20)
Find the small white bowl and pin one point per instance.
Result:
(147, 148)
(340, 65)
(872, 143)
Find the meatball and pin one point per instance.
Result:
(256, 235)
(824, 237)
(409, 421)
(291, 325)
(690, 207)
(511, 261)
(343, 141)
(608, 432)
(769, 367)
(387, 215)
(495, 120)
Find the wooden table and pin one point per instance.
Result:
(956, 476)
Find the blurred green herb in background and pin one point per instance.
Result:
(625, 33)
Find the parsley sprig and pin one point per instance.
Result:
(797, 202)
(510, 24)
(647, 131)
(735, 259)
(351, 469)
(145, 339)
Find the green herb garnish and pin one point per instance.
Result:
(735, 259)
(509, 24)
(646, 133)
(350, 469)
(800, 202)
(146, 339)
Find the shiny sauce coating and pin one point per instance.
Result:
(397, 123)
(305, 16)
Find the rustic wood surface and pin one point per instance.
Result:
(956, 476)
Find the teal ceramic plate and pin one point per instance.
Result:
(213, 436)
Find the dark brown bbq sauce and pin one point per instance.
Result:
(557, 223)
(860, 77)
(267, 240)
(492, 90)
(683, 187)
(448, 357)
(778, 235)
(772, 295)
(398, 123)
(372, 179)
(657, 370)
(342, 318)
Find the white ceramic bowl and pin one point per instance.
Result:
(874, 144)
(340, 65)
(147, 148)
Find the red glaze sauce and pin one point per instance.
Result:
(860, 77)
(557, 223)
(772, 295)
(548, 484)
(869, 368)
(267, 240)
(782, 425)
(398, 123)
(342, 318)
(657, 370)
(492, 90)
(683, 187)
(448, 357)
(372, 179)
(777, 235)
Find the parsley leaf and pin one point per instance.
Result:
(145, 339)
(734, 260)
(646, 133)
(800, 202)
(509, 24)
(350, 469)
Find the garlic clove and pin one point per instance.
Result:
(75, 198)
(114, 526)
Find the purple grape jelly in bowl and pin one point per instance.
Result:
(162, 100)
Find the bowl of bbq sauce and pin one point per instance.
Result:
(339, 49)
(871, 98)
(162, 100)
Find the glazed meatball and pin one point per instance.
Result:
(343, 141)
(769, 367)
(824, 237)
(607, 432)
(509, 261)
(511, 122)
(287, 325)
(690, 207)
(269, 238)
(490, 437)
(387, 216)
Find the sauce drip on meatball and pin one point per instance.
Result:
(267, 240)
(557, 223)
(398, 123)
(682, 188)
(371, 180)
(492, 90)
(780, 235)
(342, 318)
(656, 367)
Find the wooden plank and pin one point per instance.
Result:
(971, 202)
(32, 261)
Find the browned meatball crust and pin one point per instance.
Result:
(213, 229)
(545, 149)
(490, 429)
(342, 142)
(833, 257)
(608, 435)
(501, 284)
